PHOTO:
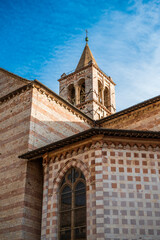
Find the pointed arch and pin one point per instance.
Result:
(72, 205)
(71, 163)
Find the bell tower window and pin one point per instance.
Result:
(72, 206)
(71, 94)
(82, 90)
(100, 89)
(106, 97)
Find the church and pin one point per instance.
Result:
(71, 167)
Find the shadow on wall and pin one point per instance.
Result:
(46, 132)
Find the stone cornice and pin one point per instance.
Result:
(16, 92)
(104, 74)
(132, 110)
(75, 72)
(104, 144)
(79, 138)
(93, 100)
(85, 67)
(53, 96)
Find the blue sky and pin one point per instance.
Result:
(43, 39)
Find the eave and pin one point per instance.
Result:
(90, 133)
(129, 110)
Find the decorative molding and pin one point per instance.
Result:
(102, 144)
(101, 106)
(46, 159)
(91, 135)
(63, 103)
(16, 92)
(73, 162)
(135, 111)
(81, 71)
(131, 146)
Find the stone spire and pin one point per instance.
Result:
(88, 88)
(86, 57)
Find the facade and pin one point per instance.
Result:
(73, 168)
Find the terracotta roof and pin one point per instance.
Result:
(86, 57)
(130, 109)
(87, 134)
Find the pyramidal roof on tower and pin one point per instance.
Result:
(86, 57)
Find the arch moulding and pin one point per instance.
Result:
(67, 165)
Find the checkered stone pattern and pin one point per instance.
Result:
(53, 174)
(45, 201)
(123, 192)
(131, 194)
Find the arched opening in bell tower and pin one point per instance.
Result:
(71, 94)
(106, 97)
(72, 206)
(82, 91)
(100, 91)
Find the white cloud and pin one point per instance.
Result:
(130, 51)
(126, 45)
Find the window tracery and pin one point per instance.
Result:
(72, 206)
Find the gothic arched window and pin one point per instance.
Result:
(72, 206)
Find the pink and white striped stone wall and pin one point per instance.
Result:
(9, 83)
(52, 121)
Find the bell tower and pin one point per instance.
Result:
(88, 88)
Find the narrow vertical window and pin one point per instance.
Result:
(106, 98)
(82, 93)
(72, 206)
(100, 91)
(82, 90)
(71, 94)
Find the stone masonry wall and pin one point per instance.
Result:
(14, 130)
(91, 107)
(131, 193)
(53, 173)
(108, 83)
(28, 120)
(123, 190)
(33, 200)
(147, 118)
(74, 79)
(52, 121)
(9, 83)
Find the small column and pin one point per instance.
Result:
(103, 95)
